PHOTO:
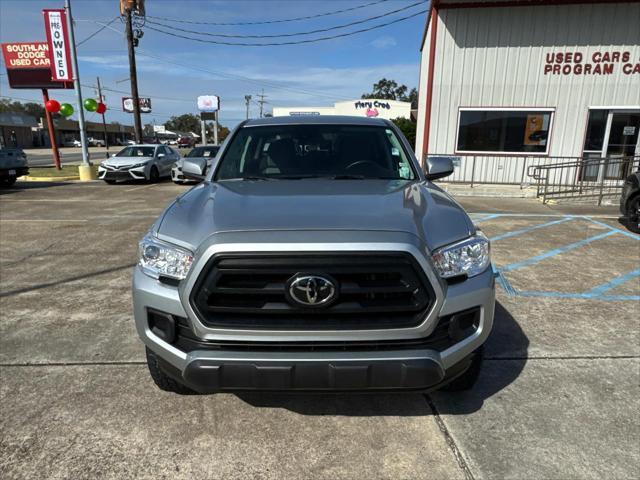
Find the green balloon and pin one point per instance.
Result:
(90, 105)
(66, 110)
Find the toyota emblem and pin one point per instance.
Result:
(312, 290)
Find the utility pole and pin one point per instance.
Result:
(247, 101)
(76, 84)
(215, 128)
(104, 123)
(52, 131)
(262, 101)
(133, 76)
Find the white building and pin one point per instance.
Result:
(369, 107)
(505, 84)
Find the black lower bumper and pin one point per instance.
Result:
(18, 172)
(208, 376)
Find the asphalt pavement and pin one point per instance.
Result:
(558, 397)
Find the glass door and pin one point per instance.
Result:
(611, 142)
(622, 143)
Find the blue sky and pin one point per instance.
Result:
(174, 71)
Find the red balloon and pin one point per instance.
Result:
(101, 108)
(52, 106)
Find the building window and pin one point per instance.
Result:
(504, 131)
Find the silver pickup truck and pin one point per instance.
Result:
(315, 256)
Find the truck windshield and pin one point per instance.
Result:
(315, 151)
(136, 152)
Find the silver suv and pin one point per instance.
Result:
(317, 256)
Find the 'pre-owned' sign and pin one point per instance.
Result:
(26, 55)
(596, 63)
(55, 22)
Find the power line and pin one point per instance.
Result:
(97, 31)
(293, 42)
(265, 22)
(261, 83)
(309, 32)
(273, 86)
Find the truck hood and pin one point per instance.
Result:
(419, 208)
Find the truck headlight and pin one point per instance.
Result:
(469, 257)
(157, 258)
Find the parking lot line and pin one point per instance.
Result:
(614, 282)
(140, 187)
(529, 229)
(555, 251)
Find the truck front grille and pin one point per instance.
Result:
(374, 291)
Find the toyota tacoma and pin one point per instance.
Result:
(316, 255)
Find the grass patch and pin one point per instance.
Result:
(66, 171)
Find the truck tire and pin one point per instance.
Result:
(162, 380)
(633, 214)
(8, 181)
(468, 379)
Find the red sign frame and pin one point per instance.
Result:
(52, 51)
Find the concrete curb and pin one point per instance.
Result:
(27, 178)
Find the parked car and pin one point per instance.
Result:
(186, 142)
(95, 142)
(205, 152)
(316, 255)
(138, 162)
(72, 143)
(13, 164)
(630, 201)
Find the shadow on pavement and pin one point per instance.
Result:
(20, 186)
(506, 332)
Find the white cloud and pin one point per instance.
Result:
(384, 42)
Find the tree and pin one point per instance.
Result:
(191, 123)
(30, 108)
(390, 90)
(408, 128)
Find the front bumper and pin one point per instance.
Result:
(354, 366)
(121, 175)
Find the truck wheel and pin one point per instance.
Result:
(8, 181)
(633, 214)
(468, 379)
(162, 380)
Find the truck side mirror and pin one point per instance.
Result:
(438, 167)
(194, 168)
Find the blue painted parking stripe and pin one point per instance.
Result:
(635, 236)
(600, 289)
(529, 229)
(610, 298)
(488, 217)
(555, 251)
(503, 281)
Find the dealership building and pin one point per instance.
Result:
(509, 84)
(362, 107)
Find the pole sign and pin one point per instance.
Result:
(208, 103)
(55, 22)
(29, 65)
(145, 105)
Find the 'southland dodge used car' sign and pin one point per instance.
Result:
(55, 22)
